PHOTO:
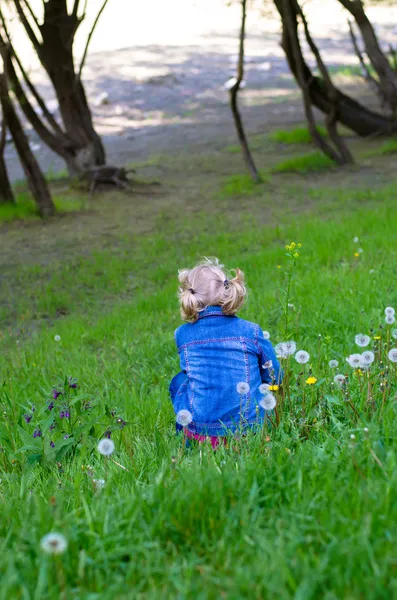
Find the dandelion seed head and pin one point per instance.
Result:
(98, 483)
(355, 239)
(362, 340)
(264, 388)
(352, 436)
(268, 365)
(106, 447)
(333, 364)
(339, 379)
(266, 335)
(366, 429)
(393, 355)
(279, 350)
(184, 417)
(289, 347)
(394, 334)
(389, 310)
(53, 543)
(57, 338)
(390, 319)
(355, 360)
(268, 402)
(302, 357)
(368, 357)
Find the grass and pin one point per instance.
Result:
(295, 135)
(26, 209)
(311, 513)
(308, 163)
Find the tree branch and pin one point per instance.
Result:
(89, 38)
(28, 28)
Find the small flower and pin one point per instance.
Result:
(362, 340)
(290, 305)
(121, 423)
(37, 433)
(54, 543)
(368, 357)
(389, 310)
(390, 319)
(268, 365)
(339, 379)
(366, 429)
(273, 388)
(242, 388)
(333, 364)
(355, 360)
(52, 444)
(278, 266)
(98, 483)
(266, 335)
(106, 447)
(358, 372)
(66, 436)
(57, 338)
(377, 337)
(107, 434)
(394, 334)
(264, 388)
(311, 380)
(72, 383)
(280, 351)
(356, 254)
(393, 355)
(268, 402)
(352, 436)
(355, 240)
(64, 414)
(184, 417)
(302, 357)
(289, 347)
(51, 406)
(56, 394)
(52, 427)
(27, 418)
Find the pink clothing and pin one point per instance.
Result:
(214, 439)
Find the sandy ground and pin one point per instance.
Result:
(155, 75)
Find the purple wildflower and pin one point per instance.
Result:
(27, 418)
(50, 406)
(66, 436)
(56, 394)
(122, 423)
(37, 433)
(64, 414)
(107, 434)
(73, 385)
(52, 444)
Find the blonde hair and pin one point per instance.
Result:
(209, 284)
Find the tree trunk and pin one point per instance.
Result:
(56, 55)
(37, 183)
(352, 114)
(6, 193)
(387, 76)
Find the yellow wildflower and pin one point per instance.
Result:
(273, 388)
(311, 380)
(296, 254)
(278, 266)
(358, 372)
(377, 337)
(299, 245)
(356, 254)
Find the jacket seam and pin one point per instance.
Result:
(235, 339)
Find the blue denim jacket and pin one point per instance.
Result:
(216, 353)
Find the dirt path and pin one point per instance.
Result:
(167, 91)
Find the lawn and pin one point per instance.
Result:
(308, 509)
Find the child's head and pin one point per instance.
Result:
(208, 284)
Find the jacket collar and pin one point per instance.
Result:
(211, 311)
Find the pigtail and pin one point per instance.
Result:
(189, 302)
(234, 293)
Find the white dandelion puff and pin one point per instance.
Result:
(355, 360)
(291, 306)
(242, 388)
(333, 364)
(362, 340)
(339, 379)
(268, 365)
(394, 334)
(368, 357)
(390, 319)
(302, 357)
(268, 402)
(360, 250)
(366, 429)
(184, 417)
(98, 483)
(266, 335)
(389, 310)
(280, 351)
(355, 239)
(54, 543)
(371, 271)
(393, 355)
(352, 436)
(289, 347)
(264, 388)
(57, 338)
(106, 447)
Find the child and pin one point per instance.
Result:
(223, 358)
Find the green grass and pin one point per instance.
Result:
(307, 163)
(26, 209)
(311, 513)
(295, 135)
(241, 185)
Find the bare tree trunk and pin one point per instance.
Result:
(352, 114)
(387, 76)
(37, 183)
(249, 161)
(6, 193)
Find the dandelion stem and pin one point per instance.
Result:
(118, 464)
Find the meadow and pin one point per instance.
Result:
(88, 309)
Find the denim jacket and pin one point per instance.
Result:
(216, 353)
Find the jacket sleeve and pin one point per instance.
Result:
(269, 366)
